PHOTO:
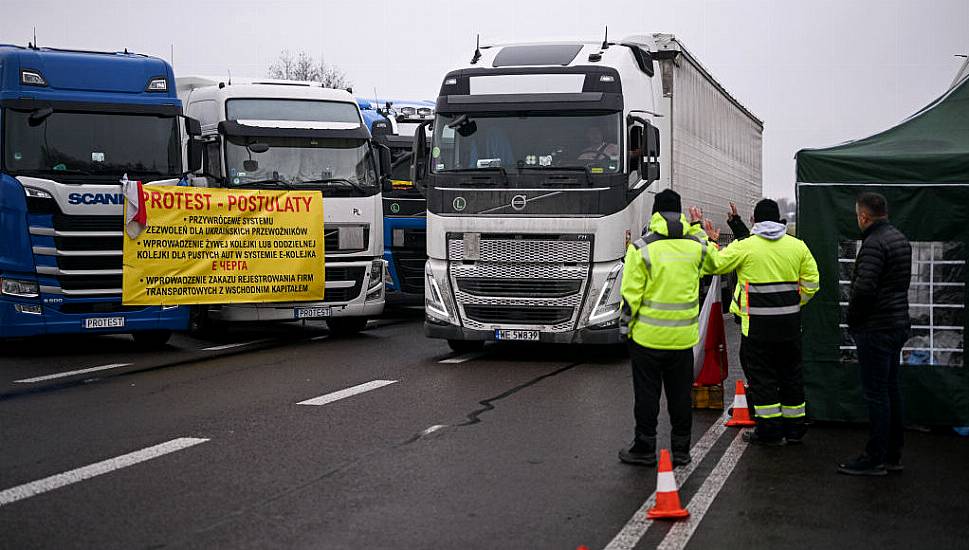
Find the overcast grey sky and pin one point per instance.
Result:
(818, 72)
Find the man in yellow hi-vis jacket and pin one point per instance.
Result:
(661, 305)
(776, 276)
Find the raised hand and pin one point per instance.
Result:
(712, 233)
(733, 211)
(695, 214)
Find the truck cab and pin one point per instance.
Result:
(74, 124)
(269, 134)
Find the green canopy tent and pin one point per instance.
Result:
(922, 167)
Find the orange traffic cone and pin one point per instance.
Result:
(741, 414)
(667, 497)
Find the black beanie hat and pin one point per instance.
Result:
(767, 211)
(667, 200)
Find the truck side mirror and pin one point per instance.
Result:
(652, 141)
(418, 167)
(194, 152)
(386, 166)
(193, 127)
(636, 148)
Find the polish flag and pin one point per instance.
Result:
(135, 214)
(710, 354)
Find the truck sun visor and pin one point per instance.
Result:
(527, 84)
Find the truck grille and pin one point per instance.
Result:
(519, 315)
(95, 234)
(409, 265)
(536, 288)
(523, 248)
(331, 239)
(343, 273)
(519, 288)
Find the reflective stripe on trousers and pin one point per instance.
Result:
(767, 411)
(796, 411)
(783, 310)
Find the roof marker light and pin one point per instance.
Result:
(32, 78)
(607, 78)
(450, 82)
(157, 85)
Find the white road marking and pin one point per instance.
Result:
(349, 392)
(463, 358)
(70, 373)
(33, 488)
(318, 338)
(236, 345)
(680, 534)
(636, 527)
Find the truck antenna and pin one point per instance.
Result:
(477, 50)
(34, 45)
(605, 40)
(172, 56)
(229, 71)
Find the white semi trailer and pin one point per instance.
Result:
(541, 169)
(298, 135)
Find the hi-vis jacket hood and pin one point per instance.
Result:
(769, 230)
(670, 224)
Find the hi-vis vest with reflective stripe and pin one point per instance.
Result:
(774, 279)
(661, 286)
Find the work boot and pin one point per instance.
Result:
(894, 464)
(794, 430)
(680, 445)
(863, 466)
(755, 438)
(640, 452)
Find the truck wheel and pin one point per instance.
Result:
(465, 346)
(152, 338)
(347, 325)
(201, 324)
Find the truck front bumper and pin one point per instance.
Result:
(15, 323)
(589, 335)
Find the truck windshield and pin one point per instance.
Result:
(527, 141)
(309, 162)
(88, 143)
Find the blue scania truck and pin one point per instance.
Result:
(405, 209)
(73, 124)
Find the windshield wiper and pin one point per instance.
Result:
(273, 181)
(584, 170)
(349, 183)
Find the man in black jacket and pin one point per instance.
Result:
(879, 322)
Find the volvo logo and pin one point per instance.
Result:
(518, 202)
(459, 203)
(394, 208)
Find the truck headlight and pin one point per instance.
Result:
(19, 288)
(37, 193)
(607, 305)
(376, 286)
(433, 298)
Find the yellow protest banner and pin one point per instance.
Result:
(222, 246)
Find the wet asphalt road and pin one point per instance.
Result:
(511, 448)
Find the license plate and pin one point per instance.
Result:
(510, 334)
(312, 312)
(104, 322)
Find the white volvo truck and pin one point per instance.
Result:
(541, 169)
(298, 135)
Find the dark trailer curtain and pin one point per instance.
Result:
(922, 168)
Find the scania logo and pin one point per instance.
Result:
(518, 202)
(459, 203)
(95, 198)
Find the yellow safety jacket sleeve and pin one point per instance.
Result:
(809, 282)
(730, 258)
(634, 280)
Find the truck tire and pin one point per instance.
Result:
(151, 339)
(346, 326)
(465, 346)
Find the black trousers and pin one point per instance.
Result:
(774, 377)
(879, 354)
(656, 369)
